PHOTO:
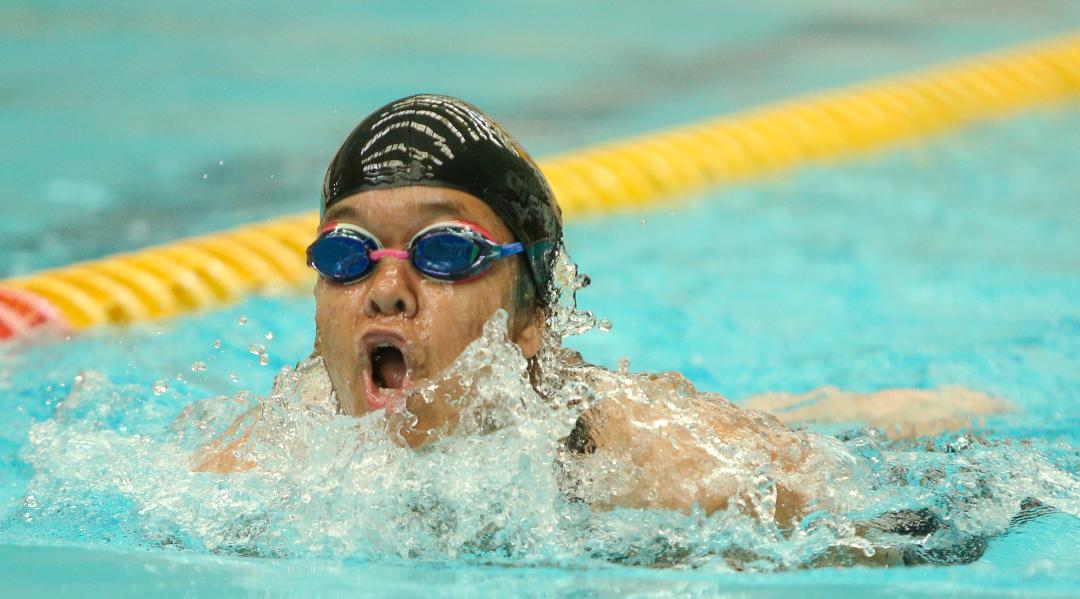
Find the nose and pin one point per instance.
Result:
(392, 291)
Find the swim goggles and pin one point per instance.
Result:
(451, 251)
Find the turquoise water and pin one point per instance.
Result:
(952, 262)
(857, 275)
(203, 115)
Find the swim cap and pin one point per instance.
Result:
(441, 141)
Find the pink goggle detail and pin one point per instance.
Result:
(399, 254)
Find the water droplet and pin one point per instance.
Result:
(160, 387)
(242, 321)
(644, 221)
(233, 377)
(217, 343)
(269, 335)
(264, 359)
(221, 163)
(205, 175)
(256, 349)
(604, 325)
(198, 366)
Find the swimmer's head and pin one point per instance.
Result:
(440, 141)
(389, 320)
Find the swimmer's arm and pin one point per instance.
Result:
(226, 453)
(900, 413)
(682, 452)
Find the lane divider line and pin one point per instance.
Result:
(624, 175)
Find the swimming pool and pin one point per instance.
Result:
(205, 116)
(946, 263)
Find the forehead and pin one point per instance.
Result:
(405, 210)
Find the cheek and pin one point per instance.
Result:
(456, 314)
(334, 321)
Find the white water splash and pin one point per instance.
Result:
(498, 483)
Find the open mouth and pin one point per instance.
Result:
(389, 374)
(388, 367)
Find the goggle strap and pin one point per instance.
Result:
(511, 248)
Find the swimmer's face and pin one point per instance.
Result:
(398, 327)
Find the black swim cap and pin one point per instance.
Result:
(441, 141)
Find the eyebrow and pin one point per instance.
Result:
(441, 206)
(433, 207)
(342, 212)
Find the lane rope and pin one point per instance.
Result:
(625, 175)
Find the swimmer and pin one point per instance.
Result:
(434, 219)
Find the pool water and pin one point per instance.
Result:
(856, 275)
(134, 124)
(949, 262)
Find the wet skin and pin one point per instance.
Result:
(430, 322)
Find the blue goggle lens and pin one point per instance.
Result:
(341, 258)
(446, 255)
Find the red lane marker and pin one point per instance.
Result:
(30, 309)
(11, 323)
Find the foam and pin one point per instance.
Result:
(496, 485)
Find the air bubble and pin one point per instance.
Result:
(269, 335)
(604, 325)
(217, 343)
(160, 386)
(256, 349)
(264, 359)
(242, 321)
(198, 366)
